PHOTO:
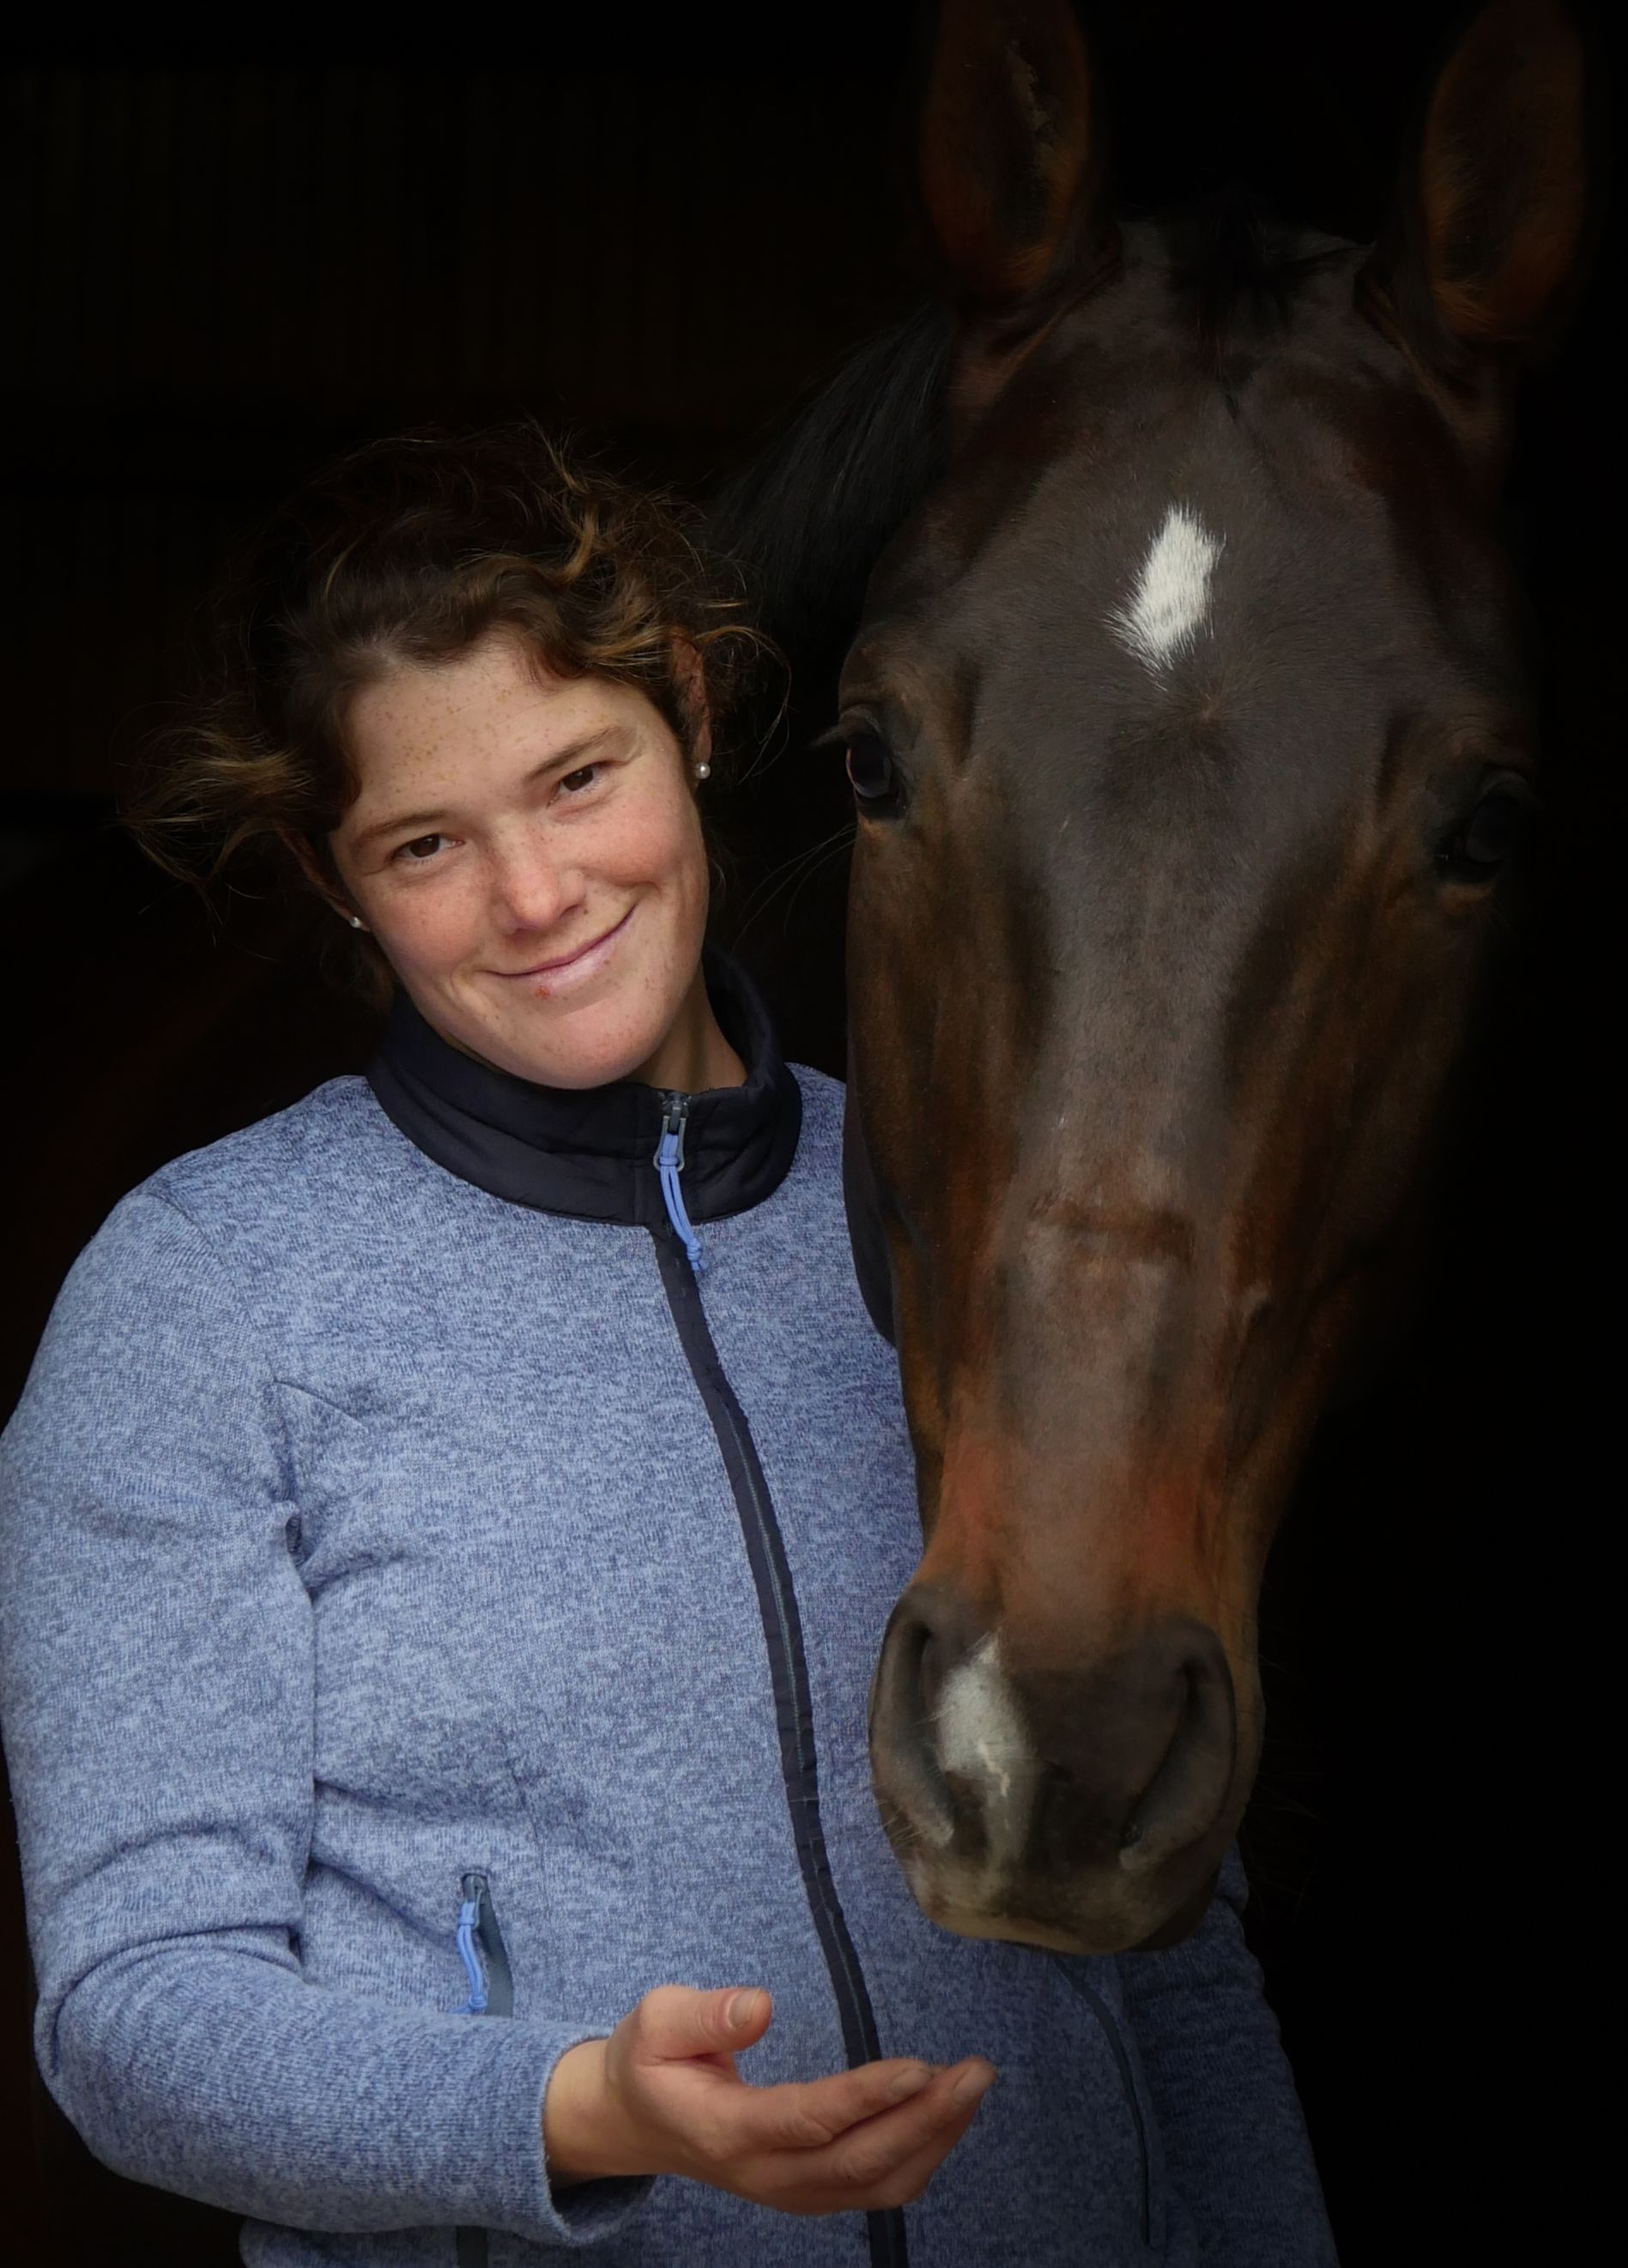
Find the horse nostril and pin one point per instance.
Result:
(901, 1703)
(1179, 1803)
(914, 1699)
(1138, 1755)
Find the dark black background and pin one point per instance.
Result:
(227, 256)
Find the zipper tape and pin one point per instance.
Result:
(776, 1603)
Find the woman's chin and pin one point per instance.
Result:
(601, 1035)
(576, 1058)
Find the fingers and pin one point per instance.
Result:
(906, 2181)
(912, 2174)
(855, 2140)
(675, 2024)
(888, 2159)
(806, 2115)
(931, 2122)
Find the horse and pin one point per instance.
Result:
(1187, 718)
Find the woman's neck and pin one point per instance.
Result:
(694, 1055)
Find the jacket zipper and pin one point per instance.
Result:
(485, 1958)
(1104, 2015)
(776, 1603)
(670, 1167)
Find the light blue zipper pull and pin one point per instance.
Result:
(670, 1165)
(468, 1922)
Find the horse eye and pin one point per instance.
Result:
(872, 774)
(1488, 835)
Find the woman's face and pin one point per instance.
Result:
(526, 851)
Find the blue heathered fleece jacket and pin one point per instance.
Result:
(397, 1534)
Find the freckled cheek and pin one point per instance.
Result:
(654, 846)
(434, 927)
(662, 852)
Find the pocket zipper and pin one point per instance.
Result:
(484, 1956)
(485, 1959)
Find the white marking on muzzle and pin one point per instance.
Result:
(981, 1739)
(1171, 602)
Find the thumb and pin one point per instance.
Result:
(678, 2023)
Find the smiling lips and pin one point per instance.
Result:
(570, 967)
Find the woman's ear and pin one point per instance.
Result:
(319, 876)
(690, 673)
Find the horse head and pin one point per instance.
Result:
(1190, 724)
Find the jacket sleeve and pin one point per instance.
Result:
(156, 1689)
(1235, 2145)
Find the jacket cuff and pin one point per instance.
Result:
(527, 2204)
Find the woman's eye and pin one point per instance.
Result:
(420, 850)
(873, 775)
(1487, 836)
(584, 776)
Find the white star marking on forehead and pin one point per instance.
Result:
(1171, 600)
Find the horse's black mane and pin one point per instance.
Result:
(808, 519)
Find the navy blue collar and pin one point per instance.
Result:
(590, 1152)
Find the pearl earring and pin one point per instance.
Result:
(355, 921)
(703, 771)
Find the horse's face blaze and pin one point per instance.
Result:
(1192, 678)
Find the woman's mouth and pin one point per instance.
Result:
(571, 968)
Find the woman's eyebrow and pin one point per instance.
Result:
(572, 752)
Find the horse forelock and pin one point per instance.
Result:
(1230, 288)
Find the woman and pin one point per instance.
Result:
(450, 1525)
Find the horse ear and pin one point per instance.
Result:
(1009, 163)
(1487, 244)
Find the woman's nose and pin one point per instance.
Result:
(534, 891)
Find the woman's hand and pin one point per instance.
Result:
(661, 2095)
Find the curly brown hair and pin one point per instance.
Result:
(411, 550)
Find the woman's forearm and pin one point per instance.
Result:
(221, 2074)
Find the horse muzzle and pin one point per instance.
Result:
(1084, 1808)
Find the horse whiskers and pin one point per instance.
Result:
(791, 874)
(901, 1831)
(834, 850)
(765, 890)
